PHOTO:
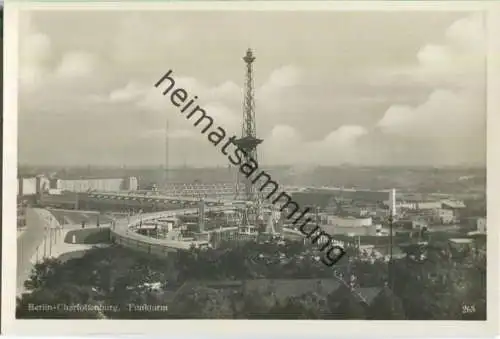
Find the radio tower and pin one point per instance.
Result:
(248, 141)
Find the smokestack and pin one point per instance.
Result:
(392, 202)
(201, 215)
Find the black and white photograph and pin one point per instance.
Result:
(185, 163)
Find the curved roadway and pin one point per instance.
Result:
(33, 236)
(122, 227)
(27, 244)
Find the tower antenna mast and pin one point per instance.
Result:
(248, 141)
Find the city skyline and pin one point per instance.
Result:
(415, 98)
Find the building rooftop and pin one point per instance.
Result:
(461, 240)
(88, 177)
(454, 203)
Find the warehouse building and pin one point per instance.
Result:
(95, 184)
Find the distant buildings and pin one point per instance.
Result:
(97, 184)
(324, 197)
(211, 190)
(481, 225)
(67, 192)
(428, 205)
(31, 186)
(348, 225)
(435, 211)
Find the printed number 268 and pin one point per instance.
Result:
(468, 309)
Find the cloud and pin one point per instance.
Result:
(130, 92)
(451, 123)
(223, 101)
(137, 40)
(225, 90)
(445, 111)
(404, 104)
(76, 64)
(38, 57)
(283, 77)
(460, 62)
(35, 52)
(271, 95)
(448, 127)
(285, 145)
(216, 101)
(177, 134)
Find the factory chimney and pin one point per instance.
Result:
(201, 215)
(392, 215)
(392, 203)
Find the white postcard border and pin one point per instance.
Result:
(11, 326)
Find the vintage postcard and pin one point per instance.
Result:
(322, 166)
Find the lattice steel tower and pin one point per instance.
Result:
(248, 141)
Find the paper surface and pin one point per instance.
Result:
(227, 161)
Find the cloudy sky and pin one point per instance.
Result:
(402, 88)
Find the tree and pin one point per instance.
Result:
(343, 304)
(256, 305)
(53, 303)
(291, 309)
(202, 303)
(386, 306)
(436, 288)
(43, 274)
(311, 305)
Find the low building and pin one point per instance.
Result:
(31, 186)
(347, 221)
(95, 184)
(445, 216)
(384, 252)
(481, 225)
(435, 216)
(327, 196)
(456, 207)
(336, 225)
(453, 204)
(428, 205)
(414, 222)
(461, 246)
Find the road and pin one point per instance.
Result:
(55, 247)
(122, 226)
(38, 221)
(27, 243)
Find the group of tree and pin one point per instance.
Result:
(435, 288)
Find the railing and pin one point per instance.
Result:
(133, 194)
(121, 233)
(143, 246)
(45, 233)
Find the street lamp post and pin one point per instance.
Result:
(390, 271)
(390, 237)
(51, 235)
(45, 243)
(50, 241)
